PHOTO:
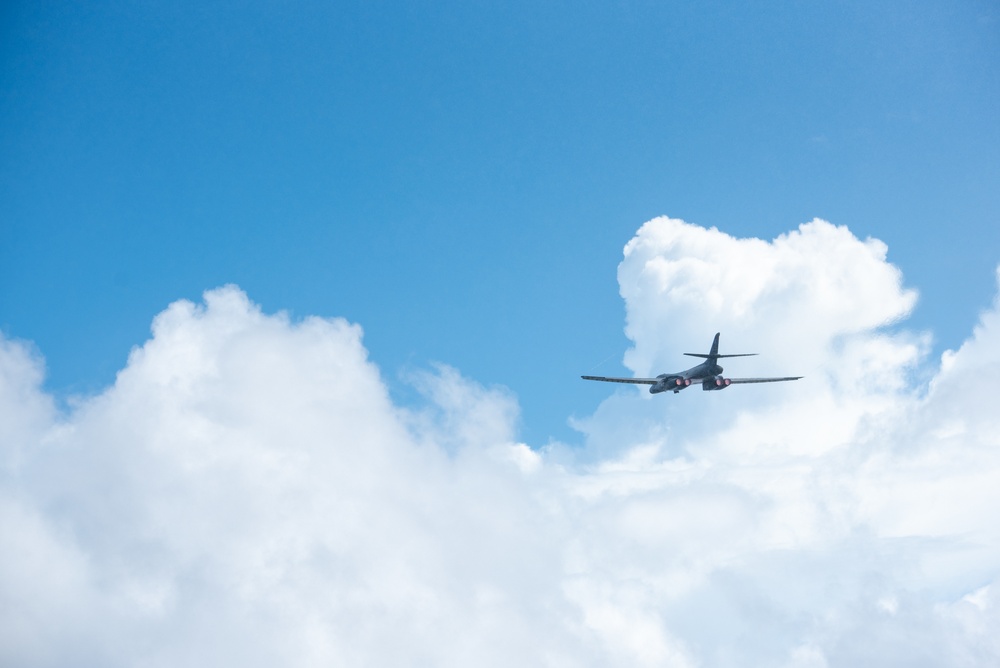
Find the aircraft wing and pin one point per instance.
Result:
(635, 381)
(734, 381)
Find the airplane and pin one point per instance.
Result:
(708, 373)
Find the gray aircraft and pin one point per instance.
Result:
(708, 373)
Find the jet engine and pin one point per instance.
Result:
(719, 383)
(669, 383)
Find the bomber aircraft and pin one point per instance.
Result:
(708, 373)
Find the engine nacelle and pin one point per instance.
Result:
(719, 383)
(670, 384)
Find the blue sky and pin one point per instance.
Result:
(294, 300)
(460, 179)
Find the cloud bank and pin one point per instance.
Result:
(247, 493)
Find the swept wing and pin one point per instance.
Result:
(762, 380)
(635, 381)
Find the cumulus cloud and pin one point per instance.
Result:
(248, 493)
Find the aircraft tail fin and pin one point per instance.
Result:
(713, 354)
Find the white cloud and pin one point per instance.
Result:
(247, 493)
(799, 294)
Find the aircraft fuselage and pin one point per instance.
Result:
(707, 373)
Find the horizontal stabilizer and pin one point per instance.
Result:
(715, 357)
